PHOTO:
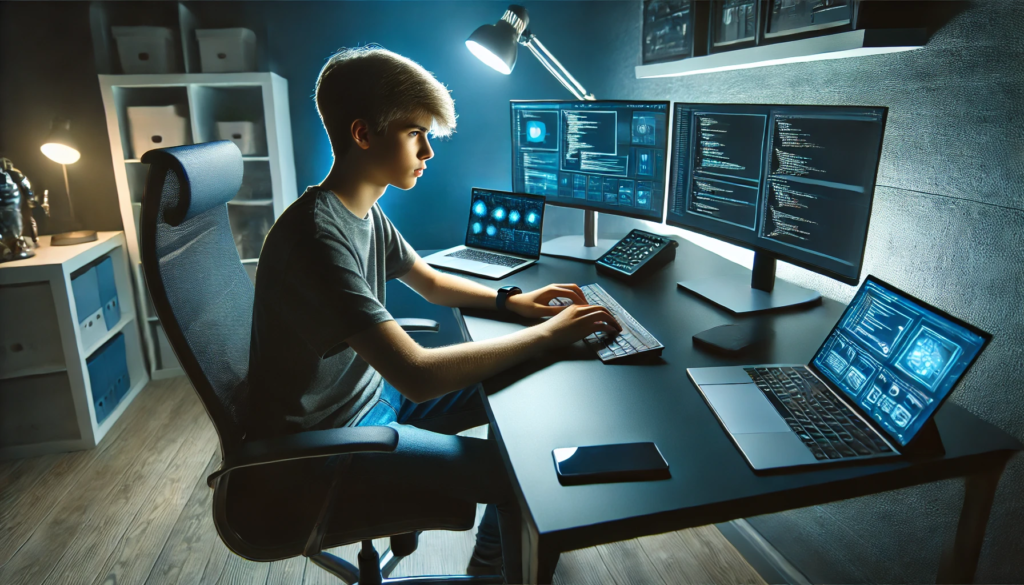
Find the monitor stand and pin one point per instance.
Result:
(587, 247)
(762, 293)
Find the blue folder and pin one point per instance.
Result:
(98, 381)
(108, 292)
(87, 294)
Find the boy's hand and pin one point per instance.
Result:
(577, 322)
(534, 304)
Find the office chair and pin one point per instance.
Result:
(204, 300)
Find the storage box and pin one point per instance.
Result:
(146, 49)
(156, 127)
(243, 134)
(226, 50)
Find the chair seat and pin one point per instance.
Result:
(271, 509)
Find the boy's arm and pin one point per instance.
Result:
(422, 374)
(449, 290)
(446, 289)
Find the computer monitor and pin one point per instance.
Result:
(794, 183)
(599, 156)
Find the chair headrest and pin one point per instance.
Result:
(210, 173)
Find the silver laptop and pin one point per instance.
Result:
(870, 389)
(502, 235)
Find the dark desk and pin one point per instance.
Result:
(569, 398)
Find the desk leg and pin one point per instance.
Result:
(539, 562)
(960, 560)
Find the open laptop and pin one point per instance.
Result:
(879, 377)
(502, 235)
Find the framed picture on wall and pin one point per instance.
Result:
(668, 30)
(789, 18)
(734, 24)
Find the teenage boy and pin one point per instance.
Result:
(325, 351)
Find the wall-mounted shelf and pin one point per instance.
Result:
(857, 43)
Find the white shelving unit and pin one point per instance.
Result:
(268, 181)
(46, 395)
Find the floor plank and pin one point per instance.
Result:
(698, 555)
(133, 558)
(107, 525)
(66, 520)
(32, 503)
(137, 510)
(188, 548)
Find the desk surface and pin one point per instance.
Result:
(570, 398)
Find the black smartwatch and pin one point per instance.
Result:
(504, 293)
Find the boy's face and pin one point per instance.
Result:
(398, 157)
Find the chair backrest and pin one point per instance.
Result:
(199, 287)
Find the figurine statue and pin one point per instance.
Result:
(15, 186)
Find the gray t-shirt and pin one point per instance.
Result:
(320, 280)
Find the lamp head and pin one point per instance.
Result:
(497, 44)
(59, 146)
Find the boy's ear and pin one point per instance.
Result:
(360, 131)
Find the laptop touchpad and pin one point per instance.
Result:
(743, 409)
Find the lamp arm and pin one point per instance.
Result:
(554, 66)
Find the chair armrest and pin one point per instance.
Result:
(310, 444)
(414, 325)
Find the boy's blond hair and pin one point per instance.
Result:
(380, 87)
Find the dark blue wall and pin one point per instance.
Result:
(302, 35)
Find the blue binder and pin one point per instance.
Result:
(108, 292)
(98, 381)
(87, 294)
(119, 368)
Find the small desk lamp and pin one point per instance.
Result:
(495, 45)
(60, 148)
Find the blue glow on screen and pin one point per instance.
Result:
(496, 222)
(896, 359)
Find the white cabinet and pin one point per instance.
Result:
(206, 100)
(62, 383)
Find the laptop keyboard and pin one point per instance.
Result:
(633, 340)
(486, 257)
(826, 425)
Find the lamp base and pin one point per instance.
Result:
(72, 238)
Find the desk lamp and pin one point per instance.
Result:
(496, 45)
(60, 148)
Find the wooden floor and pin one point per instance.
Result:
(136, 509)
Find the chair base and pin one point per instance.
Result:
(375, 570)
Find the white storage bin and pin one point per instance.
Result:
(226, 50)
(156, 127)
(243, 134)
(146, 49)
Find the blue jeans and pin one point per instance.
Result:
(431, 457)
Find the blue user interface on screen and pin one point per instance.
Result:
(604, 156)
(505, 222)
(896, 359)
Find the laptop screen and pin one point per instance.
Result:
(505, 222)
(896, 358)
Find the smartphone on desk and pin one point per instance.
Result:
(610, 463)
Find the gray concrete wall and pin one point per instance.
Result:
(946, 226)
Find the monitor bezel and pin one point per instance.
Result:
(540, 198)
(759, 249)
(852, 403)
(585, 207)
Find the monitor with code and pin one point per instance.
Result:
(794, 181)
(606, 156)
(896, 358)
